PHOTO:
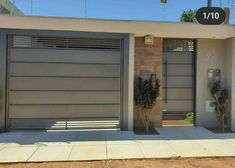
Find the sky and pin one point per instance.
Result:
(149, 10)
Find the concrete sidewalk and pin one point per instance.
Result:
(40, 146)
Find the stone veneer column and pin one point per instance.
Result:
(149, 58)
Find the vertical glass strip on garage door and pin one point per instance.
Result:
(64, 83)
(178, 82)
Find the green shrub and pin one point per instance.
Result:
(146, 93)
(189, 117)
(221, 98)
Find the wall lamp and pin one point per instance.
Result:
(149, 39)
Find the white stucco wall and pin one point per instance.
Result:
(131, 83)
(210, 55)
(139, 28)
(230, 76)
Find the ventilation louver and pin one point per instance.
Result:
(62, 42)
(21, 41)
(178, 45)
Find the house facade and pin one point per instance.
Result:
(62, 73)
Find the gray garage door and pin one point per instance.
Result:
(178, 81)
(64, 83)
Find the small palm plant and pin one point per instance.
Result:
(221, 99)
(188, 16)
(146, 94)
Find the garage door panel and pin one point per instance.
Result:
(64, 83)
(37, 124)
(59, 83)
(65, 56)
(69, 70)
(64, 97)
(63, 111)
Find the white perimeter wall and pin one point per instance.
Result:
(210, 55)
(131, 83)
(230, 76)
(214, 54)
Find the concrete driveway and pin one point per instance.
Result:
(38, 146)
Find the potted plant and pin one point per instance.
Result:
(221, 102)
(146, 93)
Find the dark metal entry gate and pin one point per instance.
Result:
(178, 82)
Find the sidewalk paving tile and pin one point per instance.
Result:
(188, 148)
(51, 153)
(124, 151)
(157, 150)
(85, 152)
(74, 145)
(218, 147)
(17, 153)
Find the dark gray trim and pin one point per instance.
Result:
(195, 83)
(65, 34)
(125, 90)
(3, 60)
(8, 43)
(125, 59)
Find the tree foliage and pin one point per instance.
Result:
(221, 98)
(146, 94)
(188, 16)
